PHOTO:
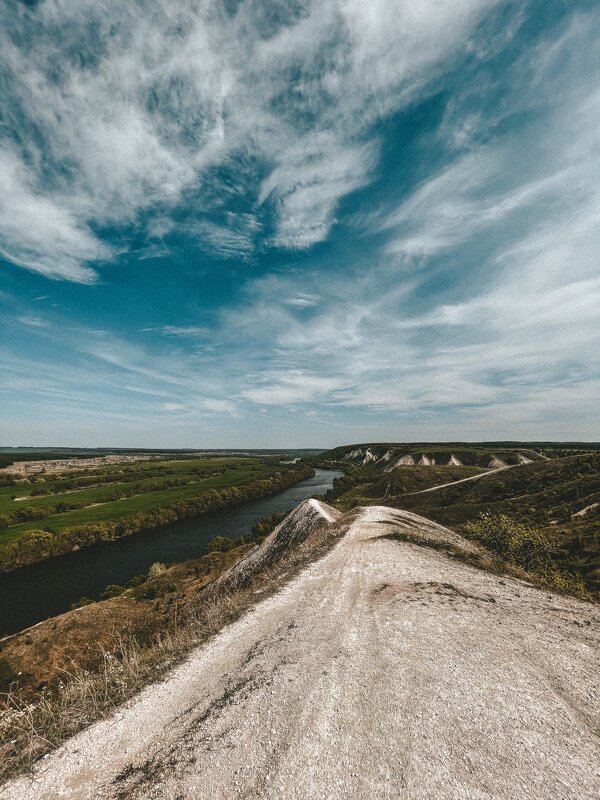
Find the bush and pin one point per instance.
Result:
(513, 541)
(114, 590)
(220, 544)
(526, 547)
(144, 592)
(83, 601)
(156, 569)
(136, 581)
(267, 525)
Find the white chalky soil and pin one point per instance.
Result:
(384, 670)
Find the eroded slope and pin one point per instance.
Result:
(384, 670)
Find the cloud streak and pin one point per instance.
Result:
(374, 220)
(115, 113)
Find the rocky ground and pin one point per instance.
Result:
(386, 669)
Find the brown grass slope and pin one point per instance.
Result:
(382, 670)
(69, 671)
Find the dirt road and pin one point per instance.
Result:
(461, 480)
(385, 670)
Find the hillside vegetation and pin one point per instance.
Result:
(66, 672)
(397, 668)
(553, 496)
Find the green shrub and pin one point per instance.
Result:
(527, 547)
(83, 601)
(144, 592)
(136, 581)
(267, 525)
(513, 541)
(220, 544)
(114, 590)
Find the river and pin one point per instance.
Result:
(32, 594)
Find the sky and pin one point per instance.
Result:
(269, 223)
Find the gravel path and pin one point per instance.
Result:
(384, 670)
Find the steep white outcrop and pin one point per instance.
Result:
(305, 520)
(369, 456)
(497, 463)
(405, 461)
(453, 461)
(352, 455)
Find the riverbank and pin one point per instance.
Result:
(69, 672)
(33, 593)
(37, 545)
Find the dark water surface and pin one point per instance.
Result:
(32, 594)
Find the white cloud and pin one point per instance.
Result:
(121, 110)
(308, 184)
(33, 322)
(494, 330)
(302, 300)
(295, 386)
(172, 406)
(179, 330)
(235, 239)
(517, 339)
(39, 231)
(218, 406)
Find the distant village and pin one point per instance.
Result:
(61, 465)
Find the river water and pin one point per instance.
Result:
(32, 594)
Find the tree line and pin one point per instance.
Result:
(36, 545)
(32, 513)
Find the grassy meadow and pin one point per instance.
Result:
(56, 503)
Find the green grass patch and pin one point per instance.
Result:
(229, 472)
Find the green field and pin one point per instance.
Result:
(147, 493)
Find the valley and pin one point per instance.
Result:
(442, 538)
(546, 488)
(43, 515)
(381, 658)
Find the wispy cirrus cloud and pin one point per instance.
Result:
(288, 388)
(179, 330)
(235, 238)
(459, 295)
(33, 322)
(40, 231)
(523, 338)
(111, 113)
(302, 300)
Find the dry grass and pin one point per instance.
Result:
(490, 562)
(31, 728)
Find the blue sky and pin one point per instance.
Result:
(264, 223)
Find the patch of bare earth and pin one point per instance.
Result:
(383, 670)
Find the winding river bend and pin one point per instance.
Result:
(31, 594)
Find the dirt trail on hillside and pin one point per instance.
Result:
(384, 670)
(462, 480)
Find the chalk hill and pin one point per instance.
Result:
(388, 668)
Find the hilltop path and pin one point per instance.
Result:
(384, 670)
